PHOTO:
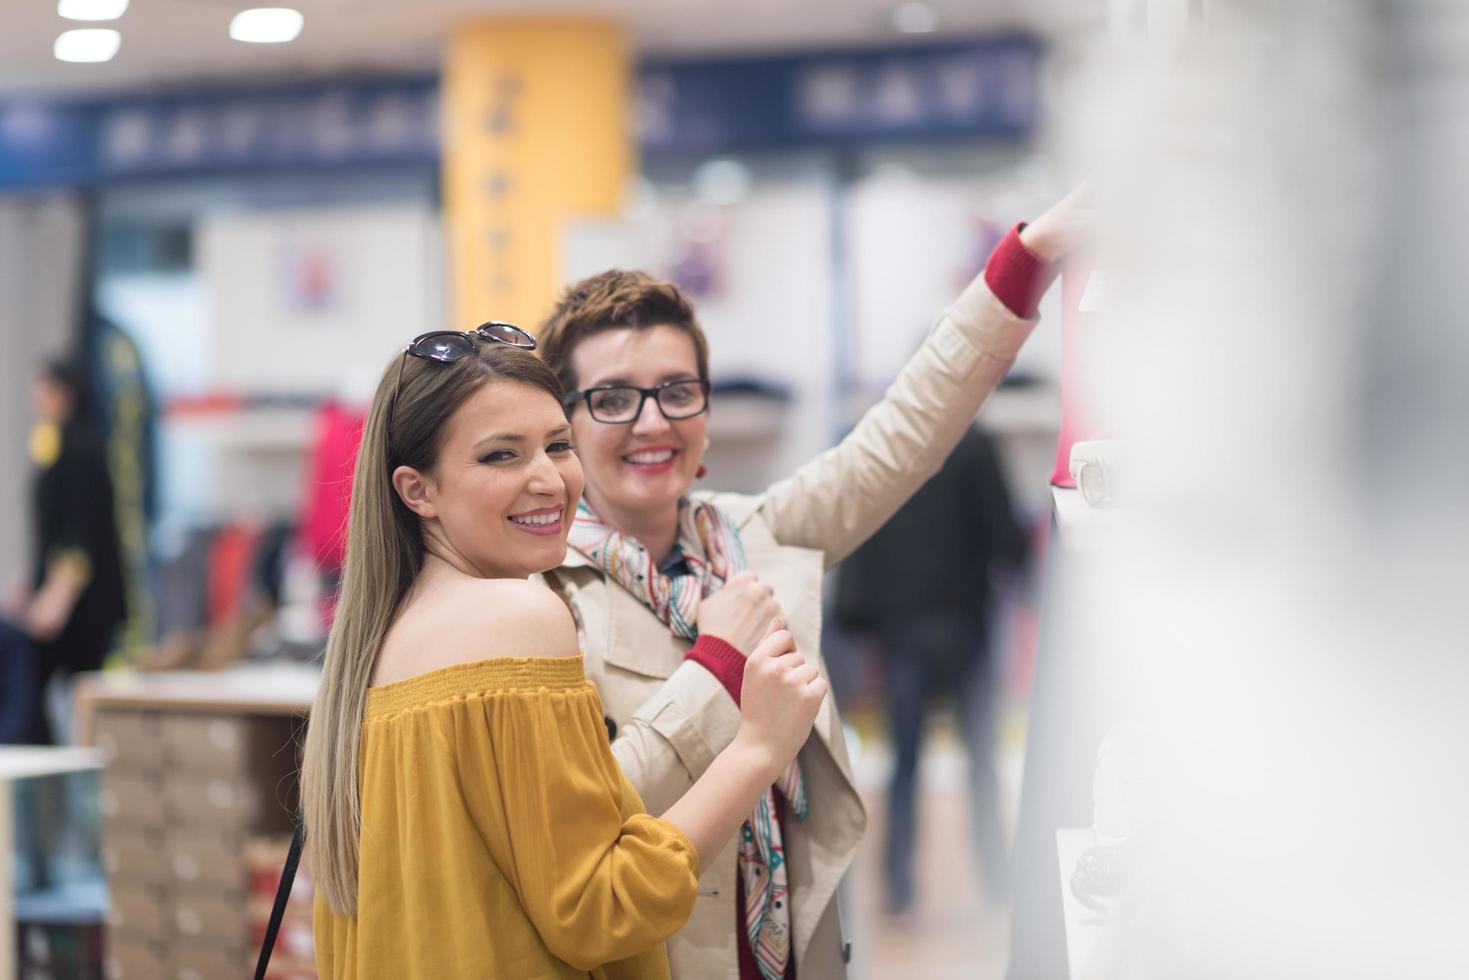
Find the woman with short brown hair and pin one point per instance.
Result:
(669, 587)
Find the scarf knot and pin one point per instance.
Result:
(709, 545)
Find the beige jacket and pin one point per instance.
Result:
(673, 716)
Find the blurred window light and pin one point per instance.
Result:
(91, 9)
(722, 182)
(639, 199)
(915, 18)
(266, 25)
(87, 45)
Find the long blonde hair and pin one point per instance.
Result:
(384, 554)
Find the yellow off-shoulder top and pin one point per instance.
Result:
(500, 840)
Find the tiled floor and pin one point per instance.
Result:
(954, 932)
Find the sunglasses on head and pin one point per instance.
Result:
(449, 346)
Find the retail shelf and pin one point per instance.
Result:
(742, 418)
(271, 689)
(250, 430)
(19, 763)
(28, 761)
(1079, 524)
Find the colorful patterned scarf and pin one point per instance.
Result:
(710, 546)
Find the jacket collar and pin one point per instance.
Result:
(575, 559)
(740, 508)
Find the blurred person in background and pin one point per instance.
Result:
(923, 587)
(463, 813)
(18, 701)
(73, 600)
(671, 590)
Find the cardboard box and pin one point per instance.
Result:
(131, 799)
(136, 911)
(228, 745)
(132, 855)
(230, 804)
(206, 961)
(216, 920)
(131, 959)
(206, 862)
(128, 740)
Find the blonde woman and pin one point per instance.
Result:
(464, 815)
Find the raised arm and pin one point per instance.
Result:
(836, 501)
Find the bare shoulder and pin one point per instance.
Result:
(511, 618)
(463, 620)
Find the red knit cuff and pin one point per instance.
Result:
(1017, 276)
(721, 659)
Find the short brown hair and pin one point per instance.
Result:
(615, 300)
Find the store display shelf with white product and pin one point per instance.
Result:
(54, 901)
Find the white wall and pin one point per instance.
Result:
(40, 256)
(916, 242)
(382, 269)
(770, 318)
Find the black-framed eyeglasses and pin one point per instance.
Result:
(448, 346)
(621, 404)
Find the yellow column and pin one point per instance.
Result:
(537, 130)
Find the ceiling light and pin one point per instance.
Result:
(266, 25)
(915, 18)
(88, 45)
(91, 9)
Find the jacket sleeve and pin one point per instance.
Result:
(598, 887)
(836, 501)
(673, 736)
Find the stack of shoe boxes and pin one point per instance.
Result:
(132, 842)
(182, 794)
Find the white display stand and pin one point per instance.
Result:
(273, 689)
(18, 762)
(1078, 523)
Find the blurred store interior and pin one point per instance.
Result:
(235, 236)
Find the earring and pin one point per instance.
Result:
(699, 473)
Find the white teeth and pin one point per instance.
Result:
(538, 520)
(657, 456)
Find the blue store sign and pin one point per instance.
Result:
(979, 89)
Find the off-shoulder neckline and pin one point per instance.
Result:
(494, 675)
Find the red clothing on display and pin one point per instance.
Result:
(333, 456)
(1074, 427)
(230, 560)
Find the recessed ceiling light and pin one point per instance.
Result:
(88, 45)
(915, 18)
(266, 25)
(91, 9)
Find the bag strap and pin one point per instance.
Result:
(282, 895)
